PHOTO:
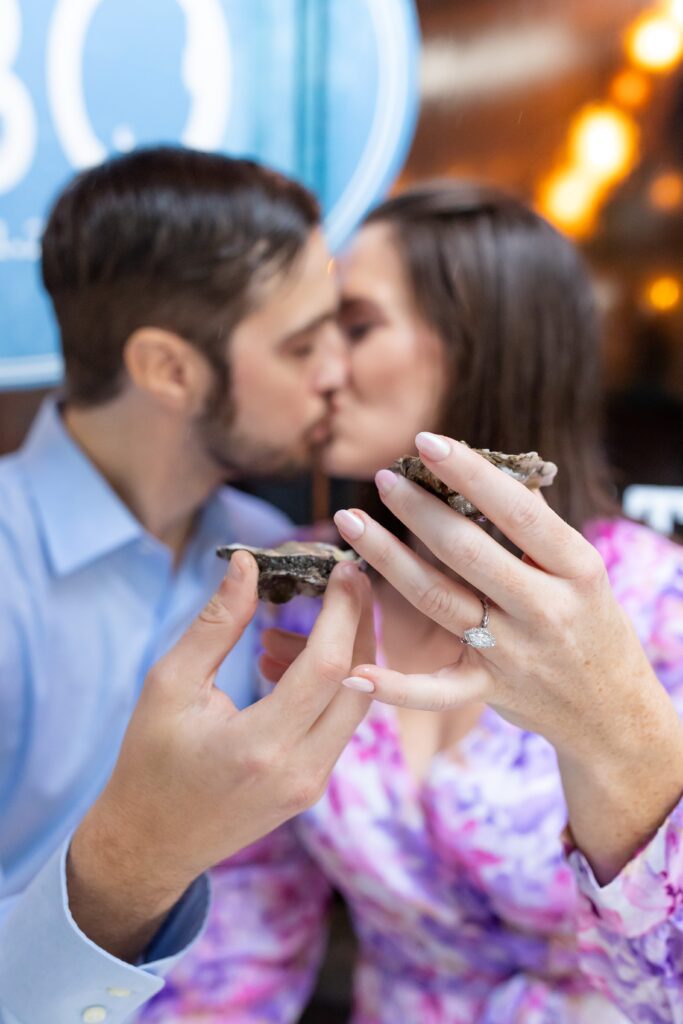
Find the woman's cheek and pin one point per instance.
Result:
(380, 368)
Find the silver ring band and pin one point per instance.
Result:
(479, 636)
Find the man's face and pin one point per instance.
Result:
(286, 359)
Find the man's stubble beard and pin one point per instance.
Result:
(230, 447)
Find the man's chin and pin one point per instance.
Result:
(334, 461)
(283, 465)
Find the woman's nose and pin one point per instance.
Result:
(333, 370)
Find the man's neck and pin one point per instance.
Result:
(149, 461)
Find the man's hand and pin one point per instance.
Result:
(196, 780)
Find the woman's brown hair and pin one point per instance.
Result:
(512, 300)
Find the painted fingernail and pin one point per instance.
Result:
(386, 481)
(350, 526)
(433, 446)
(356, 683)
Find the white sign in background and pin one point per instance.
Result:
(81, 79)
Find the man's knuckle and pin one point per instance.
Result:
(301, 793)
(331, 664)
(158, 676)
(260, 760)
(215, 612)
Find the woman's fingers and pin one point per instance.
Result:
(446, 602)
(452, 686)
(529, 523)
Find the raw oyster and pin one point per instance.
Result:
(292, 568)
(529, 468)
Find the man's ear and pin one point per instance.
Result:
(168, 368)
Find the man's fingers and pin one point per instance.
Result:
(347, 709)
(313, 679)
(364, 648)
(194, 660)
(271, 669)
(450, 687)
(335, 727)
(282, 645)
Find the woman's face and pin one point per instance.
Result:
(397, 362)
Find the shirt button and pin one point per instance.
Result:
(121, 993)
(94, 1015)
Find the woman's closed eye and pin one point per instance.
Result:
(358, 331)
(358, 318)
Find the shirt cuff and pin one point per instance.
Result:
(646, 892)
(52, 973)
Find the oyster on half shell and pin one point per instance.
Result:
(529, 468)
(292, 568)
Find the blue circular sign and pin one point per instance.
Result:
(324, 91)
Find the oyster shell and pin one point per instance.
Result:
(529, 468)
(292, 568)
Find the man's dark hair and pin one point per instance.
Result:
(164, 237)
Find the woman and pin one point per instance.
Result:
(471, 317)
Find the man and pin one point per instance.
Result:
(198, 323)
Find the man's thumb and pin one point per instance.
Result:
(209, 639)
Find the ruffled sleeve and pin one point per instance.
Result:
(631, 930)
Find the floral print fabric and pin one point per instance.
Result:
(466, 904)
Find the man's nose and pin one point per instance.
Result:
(333, 370)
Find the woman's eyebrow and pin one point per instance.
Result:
(329, 316)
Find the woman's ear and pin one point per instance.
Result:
(167, 368)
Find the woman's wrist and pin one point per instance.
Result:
(620, 789)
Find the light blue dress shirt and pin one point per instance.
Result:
(88, 601)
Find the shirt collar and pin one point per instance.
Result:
(82, 518)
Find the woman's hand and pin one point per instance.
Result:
(566, 662)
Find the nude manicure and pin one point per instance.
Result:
(433, 446)
(385, 481)
(349, 525)
(356, 683)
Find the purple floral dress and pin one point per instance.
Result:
(466, 904)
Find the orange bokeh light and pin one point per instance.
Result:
(666, 190)
(569, 199)
(663, 294)
(655, 41)
(630, 88)
(603, 140)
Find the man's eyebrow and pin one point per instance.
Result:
(328, 317)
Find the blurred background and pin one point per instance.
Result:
(577, 106)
